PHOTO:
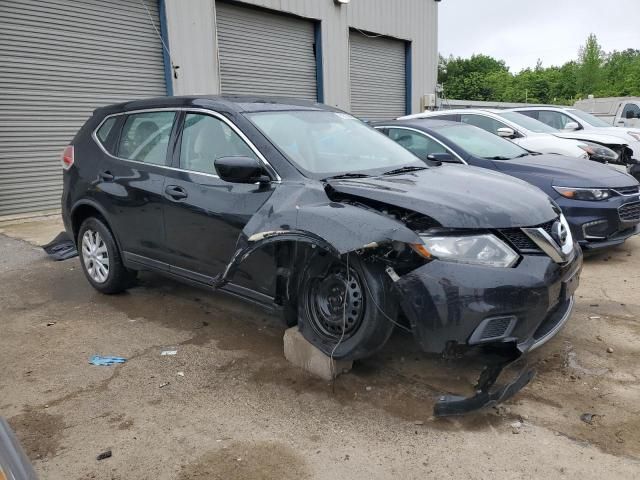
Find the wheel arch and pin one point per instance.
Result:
(85, 209)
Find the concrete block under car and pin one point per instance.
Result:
(301, 353)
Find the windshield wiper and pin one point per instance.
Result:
(398, 171)
(348, 175)
(497, 157)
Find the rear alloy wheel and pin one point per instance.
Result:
(341, 314)
(95, 256)
(100, 258)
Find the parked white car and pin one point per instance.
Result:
(526, 132)
(577, 124)
(618, 111)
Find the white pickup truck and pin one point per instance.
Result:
(617, 111)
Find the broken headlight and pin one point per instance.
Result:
(592, 194)
(485, 249)
(599, 152)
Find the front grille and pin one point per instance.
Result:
(635, 189)
(630, 212)
(521, 241)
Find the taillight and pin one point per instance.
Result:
(67, 157)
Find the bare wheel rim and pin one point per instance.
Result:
(95, 256)
(335, 303)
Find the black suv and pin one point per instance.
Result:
(307, 209)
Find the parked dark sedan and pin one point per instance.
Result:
(601, 204)
(306, 209)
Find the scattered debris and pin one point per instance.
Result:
(162, 385)
(368, 389)
(50, 324)
(589, 418)
(104, 455)
(594, 305)
(180, 374)
(595, 317)
(418, 422)
(106, 361)
(599, 338)
(169, 352)
(61, 247)
(609, 350)
(516, 427)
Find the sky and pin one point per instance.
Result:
(521, 31)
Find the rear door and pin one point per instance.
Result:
(204, 215)
(131, 176)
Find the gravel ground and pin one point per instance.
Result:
(228, 406)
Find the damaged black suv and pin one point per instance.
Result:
(306, 209)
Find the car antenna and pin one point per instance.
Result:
(174, 68)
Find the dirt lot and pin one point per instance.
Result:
(240, 411)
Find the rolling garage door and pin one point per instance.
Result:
(263, 53)
(377, 76)
(60, 60)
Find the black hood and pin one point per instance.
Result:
(566, 171)
(457, 196)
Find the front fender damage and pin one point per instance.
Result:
(303, 213)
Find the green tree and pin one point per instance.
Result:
(591, 58)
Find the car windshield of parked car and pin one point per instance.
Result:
(481, 143)
(324, 144)
(590, 119)
(529, 123)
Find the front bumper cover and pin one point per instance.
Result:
(449, 305)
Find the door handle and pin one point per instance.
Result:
(106, 175)
(175, 192)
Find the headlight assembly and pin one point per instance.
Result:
(590, 194)
(599, 152)
(486, 249)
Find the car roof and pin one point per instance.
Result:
(542, 107)
(235, 103)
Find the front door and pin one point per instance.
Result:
(204, 215)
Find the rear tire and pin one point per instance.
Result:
(100, 258)
(340, 311)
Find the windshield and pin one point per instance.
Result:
(590, 119)
(323, 144)
(529, 123)
(481, 143)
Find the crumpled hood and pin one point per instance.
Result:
(591, 136)
(457, 196)
(566, 171)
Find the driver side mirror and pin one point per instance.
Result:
(240, 170)
(506, 132)
(443, 157)
(571, 126)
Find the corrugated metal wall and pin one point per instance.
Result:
(265, 53)
(60, 60)
(378, 76)
(413, 20)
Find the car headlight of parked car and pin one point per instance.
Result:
(599, 151)
(484, 249)
(592, 194)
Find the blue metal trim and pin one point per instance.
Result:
(319, 61)
(408, 77)
(164, 32)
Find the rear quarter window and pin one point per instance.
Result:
(105, 129)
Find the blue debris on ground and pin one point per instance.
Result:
(106, 361)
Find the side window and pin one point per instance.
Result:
(485, 123)
(631, 110)
(418, 144)
(145, 137)
(530, 113)
(554, 119)
(105, 129)
(205, 138)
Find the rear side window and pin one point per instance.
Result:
(145, 137)
(105, 129)
(418, 144)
